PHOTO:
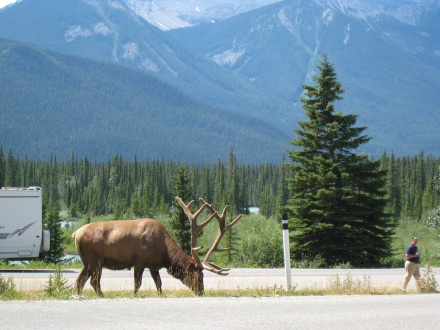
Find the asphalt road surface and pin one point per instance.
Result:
(406, 311)
(401, 311)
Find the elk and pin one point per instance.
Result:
(145, 243)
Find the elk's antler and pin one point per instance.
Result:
(221, 231)
(195, 231)
(195, 228)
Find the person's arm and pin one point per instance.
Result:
(409, 255)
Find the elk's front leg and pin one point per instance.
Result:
(138, 272)
(156, 277)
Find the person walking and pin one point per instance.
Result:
(412, 263)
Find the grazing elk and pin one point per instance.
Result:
(145, 243)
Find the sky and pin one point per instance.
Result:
(6, 2)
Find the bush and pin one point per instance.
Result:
(310, 262)
(427, 283)
(260, 243)
(7, 286)
(433, 218)
(56, 285)
(349, 285)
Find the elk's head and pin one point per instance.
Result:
(192, 274)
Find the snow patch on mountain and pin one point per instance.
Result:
(101, 28)
(328, 16)
(172, 14)
(285, 21)
(230, 56)
(77, 31)
(347, 34)
(407, 11)
(4, 3)
(130, 51)
(116, 5)
(149, 65)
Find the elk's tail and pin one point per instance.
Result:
(77, 245)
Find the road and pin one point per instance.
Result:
(406, 311)
(239, 278)
(399, 311)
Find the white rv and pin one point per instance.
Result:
(21, 224)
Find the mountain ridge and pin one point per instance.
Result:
(388, 71)
(112, 32)
(56, 104)
(254, 64)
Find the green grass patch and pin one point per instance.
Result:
(56, 289)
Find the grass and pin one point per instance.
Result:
(236, 293)
(56, 289)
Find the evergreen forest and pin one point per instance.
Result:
(128, 189)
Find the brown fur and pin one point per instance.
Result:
(141, 244)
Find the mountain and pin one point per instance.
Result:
(110, 31)
(254, 63)
(172, 14)
(54, 104)
(387, 60)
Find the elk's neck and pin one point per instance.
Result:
(176, 255)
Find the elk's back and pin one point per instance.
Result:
(123, 243)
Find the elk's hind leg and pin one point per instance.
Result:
(156, 277)
(82, 278)
(95, 279)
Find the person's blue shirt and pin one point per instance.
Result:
(412, 249)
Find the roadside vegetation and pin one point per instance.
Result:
(56, 288)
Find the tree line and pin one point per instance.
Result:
(132, 188)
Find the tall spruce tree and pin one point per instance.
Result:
(52, 222)
(337, 203)
(179, 222)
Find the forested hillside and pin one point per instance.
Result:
(58, 104)
(134, 189)
(109, 31)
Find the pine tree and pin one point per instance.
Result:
(179, 222)
(282, 190)
(392, 207)
(233, 191)
(52, 222)
(11, 171)
(337, 202)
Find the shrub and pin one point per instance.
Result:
(56, 285)
(7, 286)
(427, 283)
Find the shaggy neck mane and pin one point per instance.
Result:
(176, 271)
(178, 259)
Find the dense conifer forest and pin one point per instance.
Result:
(133, 189)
